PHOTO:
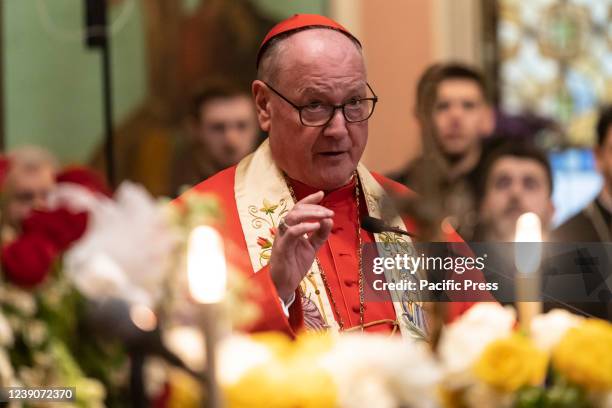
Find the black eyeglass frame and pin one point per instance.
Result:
(299, 108)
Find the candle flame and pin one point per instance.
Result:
(528, 252)
(206, 268)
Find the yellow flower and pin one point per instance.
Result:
(184, 390)
(310, 344)
(268, 207)
(584, 355)
(510, 363)
(292, 378)
(279, 344)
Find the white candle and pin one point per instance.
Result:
(206, 267)
(207, 275)
(528, 256)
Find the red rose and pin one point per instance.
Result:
(85, 177)
(60, 227)
(28, 260)
(5, 166)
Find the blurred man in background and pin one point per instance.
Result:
(222, 129)
(516, 179)
(29, 181)
(454, 116)
(593, 223)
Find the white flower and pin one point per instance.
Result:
(6, 332)
(35, 332)
(102, 278)
(372, 370)
(74, 197)
(237, 355)
(6, 369)
(19, 299)
(464, 340)
(126, 250)
(548, 329)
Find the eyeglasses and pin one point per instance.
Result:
(319, 114)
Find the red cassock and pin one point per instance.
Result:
(338, 257)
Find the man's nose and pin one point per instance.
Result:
(516, 189)
(233, 135)
(456, 113)
(337, 125)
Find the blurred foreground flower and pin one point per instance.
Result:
(371, 370)
(276, 372)
(548, 329)
(321, 370)
(126, 250)
(584, 355)
(511, 363)
(27, 260)
(463, 341)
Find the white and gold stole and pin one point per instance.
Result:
(263, 198)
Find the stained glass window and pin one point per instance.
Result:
(556, 61)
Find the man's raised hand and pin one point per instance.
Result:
(307, 226)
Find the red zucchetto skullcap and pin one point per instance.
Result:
(298, 21)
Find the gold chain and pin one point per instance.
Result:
(359, 251)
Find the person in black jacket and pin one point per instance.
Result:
(593, 223)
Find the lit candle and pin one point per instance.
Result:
(207, 275)
(528, 256)
(206, 268)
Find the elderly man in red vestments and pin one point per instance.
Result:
(293, 208)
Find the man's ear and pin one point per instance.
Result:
(261, 96)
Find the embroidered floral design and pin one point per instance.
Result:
(395, 243)
(268, 208)
(264, 243)
(267, 215)
(371, 200)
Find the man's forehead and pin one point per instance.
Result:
(320, 40)
(459, 85)
(518, 165)
(348, 84)
(320, 53)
